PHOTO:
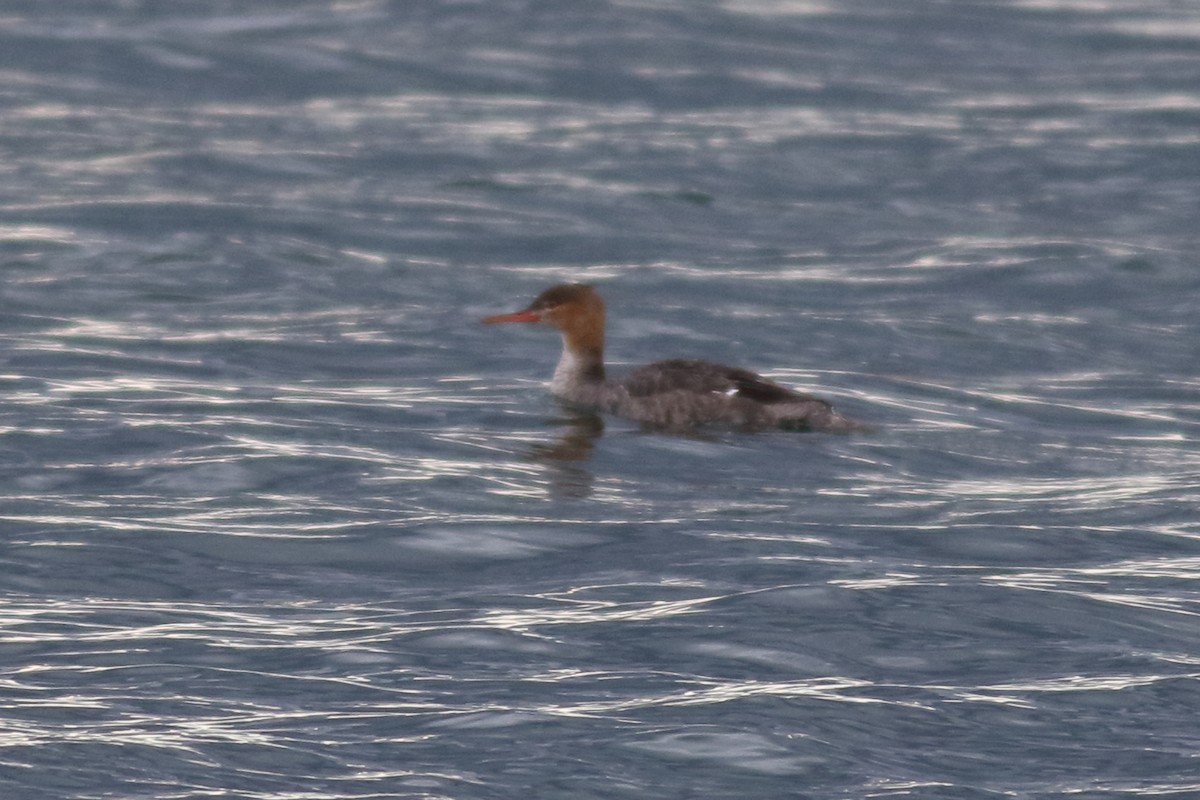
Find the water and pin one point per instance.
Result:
(280, 519)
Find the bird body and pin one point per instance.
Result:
(674, 395)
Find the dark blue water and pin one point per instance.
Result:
(280, 519)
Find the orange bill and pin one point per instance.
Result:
(516, 316)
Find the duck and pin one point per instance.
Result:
(675, 395)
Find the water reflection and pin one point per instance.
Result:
(565, 457)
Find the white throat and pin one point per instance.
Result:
(568, 373)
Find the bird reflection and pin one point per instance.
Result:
(565, 457)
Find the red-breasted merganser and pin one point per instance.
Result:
(675, 395)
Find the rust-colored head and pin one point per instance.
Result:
(574, 308)
(566, 306)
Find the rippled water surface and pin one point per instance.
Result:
(280, 519)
